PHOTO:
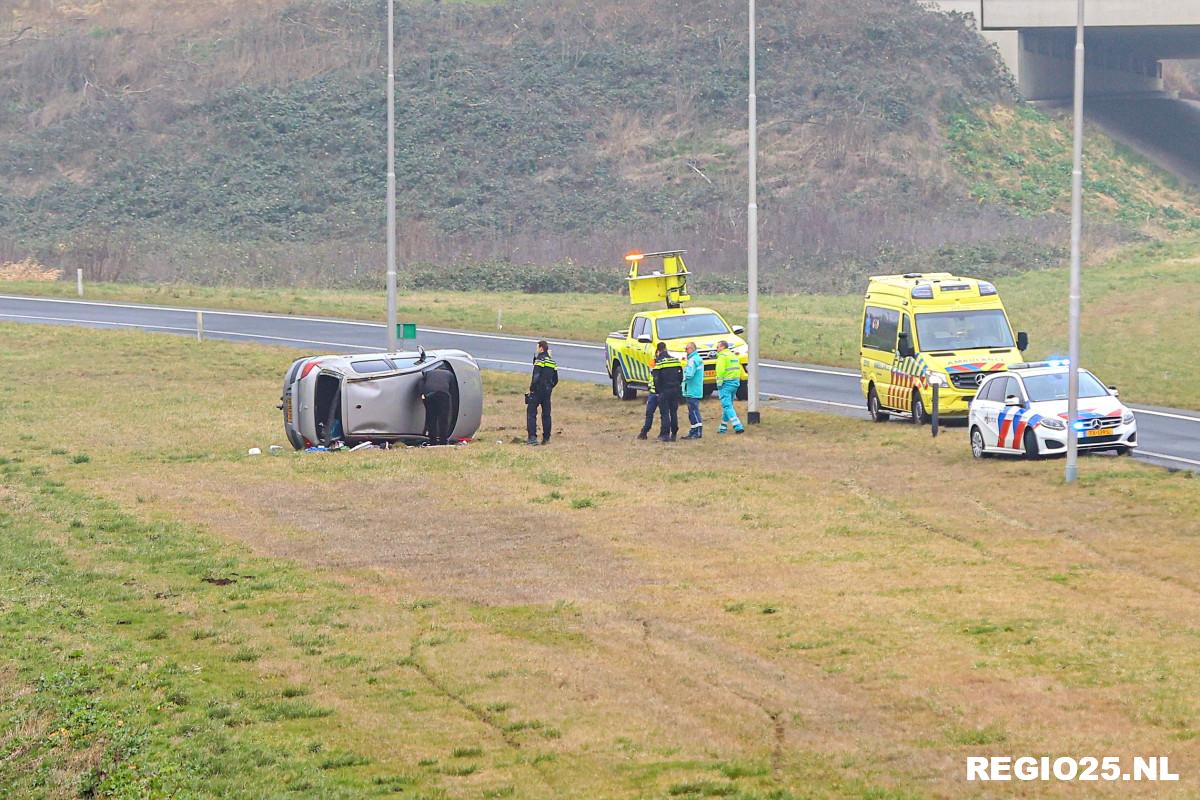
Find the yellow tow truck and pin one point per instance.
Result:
(629, 354)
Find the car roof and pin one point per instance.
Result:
(342, 361)
(675, 312)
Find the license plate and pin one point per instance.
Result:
(287, 410)
(1099, 432)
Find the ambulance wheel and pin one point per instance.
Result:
(1031, 446)
(919, 415)
(621, 387)
(743, 391)
(873, 408)
(977, 444)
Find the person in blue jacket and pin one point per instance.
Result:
(693, 390)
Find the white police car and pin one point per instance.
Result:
(1024, 412)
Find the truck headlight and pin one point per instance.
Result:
(1127, 417)
(1053, 424)
(676, 354)
(939, 380)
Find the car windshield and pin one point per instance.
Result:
(963, 330)
(687, 325)
(1053, 386)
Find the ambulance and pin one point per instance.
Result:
(922, 329)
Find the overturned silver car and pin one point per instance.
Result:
(377, 398)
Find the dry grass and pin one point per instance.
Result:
(829, 604)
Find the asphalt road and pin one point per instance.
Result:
(1168, 437)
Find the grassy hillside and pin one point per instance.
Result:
(219, 142)
(178, 619)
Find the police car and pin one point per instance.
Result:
(1023, 411)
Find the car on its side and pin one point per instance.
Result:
(1024, 412)
(375, 398)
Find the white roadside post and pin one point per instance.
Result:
(1072, 468)
(199, 326)
(752, 413)
(79, 282)
(391, 180)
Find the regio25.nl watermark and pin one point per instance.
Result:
(1066, 768)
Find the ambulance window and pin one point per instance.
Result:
(879, 328)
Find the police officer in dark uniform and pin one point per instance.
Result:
(436, 385)
(668, 381)
(541, 385)
(651, 406)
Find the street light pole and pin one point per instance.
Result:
(752, 413)
(1072, 468)
(391, 179)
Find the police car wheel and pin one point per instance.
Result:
(977, 444)
(919, 417)
(873, 408)
(1031, 445)
(743, 391)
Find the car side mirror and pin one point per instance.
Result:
(1013, 400)
(646, 338)
(1114, 391)
(739, 329)
(904, 347)
(1022, 341)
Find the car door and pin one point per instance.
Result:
(643, 352)
(986, 410)
(1009, 417)
(880, 327)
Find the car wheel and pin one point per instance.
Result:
(743, 391)
(1124, 451)
(977, 445)
(919, 416)
(621, 386)
(1031, 445)
(873, 407)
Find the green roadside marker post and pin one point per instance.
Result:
(406, 331)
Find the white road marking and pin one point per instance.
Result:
(1183, 417)
(795, 368)
(811, 400)
(529, 363)
(1191, 461)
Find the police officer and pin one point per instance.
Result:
(729, 378)
(668, 381)
(541, 385)
(435, 391)
(651, 405)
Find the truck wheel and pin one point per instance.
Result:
(919, 416)
(743, 391)
(621, 386)
(873, 407)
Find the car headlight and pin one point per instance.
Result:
(741, 349)
(1127, 417)
(1053, 424)
(676, 354)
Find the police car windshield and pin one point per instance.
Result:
(1053, 386)
(687, 325)
(963, 330)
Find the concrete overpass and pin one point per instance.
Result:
(1127, 40)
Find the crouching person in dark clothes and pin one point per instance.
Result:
(668, 380)
(436, 385)
(541, 385)
(651, 405)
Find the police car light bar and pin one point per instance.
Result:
(1058, 362)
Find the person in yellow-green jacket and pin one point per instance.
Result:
(729, 378)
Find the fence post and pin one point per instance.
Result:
(934, 416)
(79, 282)
(199, 326)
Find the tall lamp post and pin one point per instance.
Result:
(752, 414)
(1072, 468)
(391, 179)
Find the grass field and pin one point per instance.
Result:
(1141, 315)
(823, 608)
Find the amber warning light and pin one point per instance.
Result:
(634, 256)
